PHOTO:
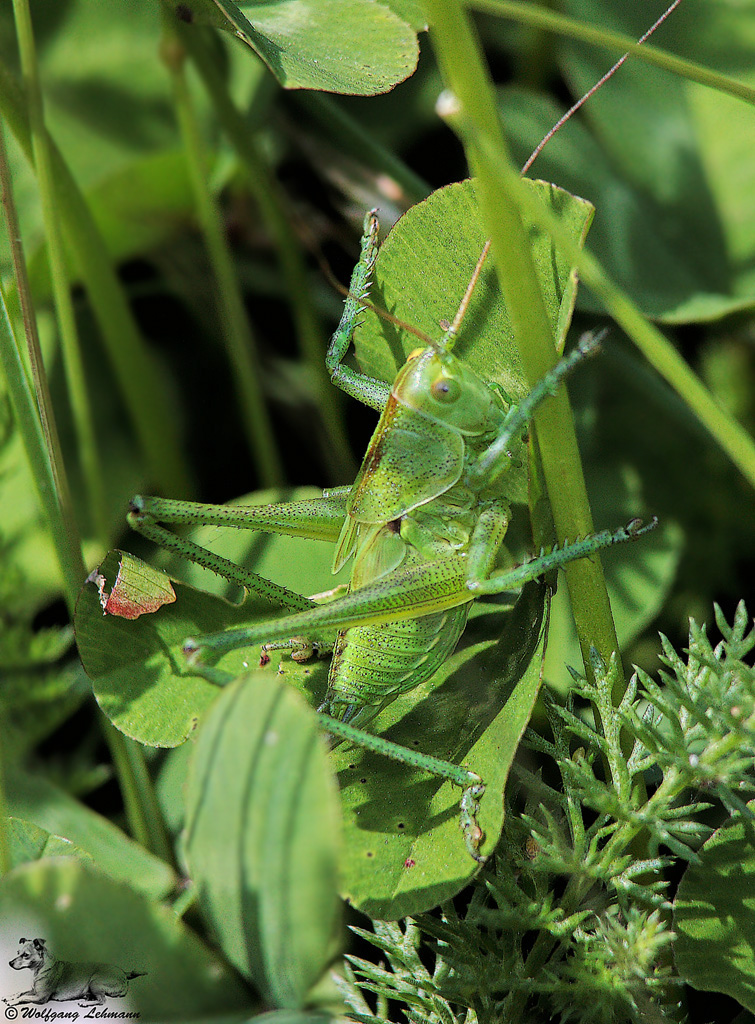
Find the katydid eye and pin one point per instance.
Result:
(445, 390)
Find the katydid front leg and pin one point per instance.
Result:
(368, 390)
(494, 461)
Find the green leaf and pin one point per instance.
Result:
(403, 849)
(29, 842)
(44, 805)
(713, 916)
(36, 701)
(638, 233)
(422, 272)
(675, 225)
(349, 46)
(261, 837)
(85, 915)
(638, 576)
(137, 667)
(474, 712)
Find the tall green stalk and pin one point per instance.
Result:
(735, 441)
(143, 811)
(273, 208)
(235, 327)
(498, 188)
(133, 365)
(81, 407)
(33, 411)
(46, 479)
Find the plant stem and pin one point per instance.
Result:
(736, 442)
(499, 190)
(142, 809)
(272, 206)
(541, 17)
(71, 349)
(27, 417)
(34, 417)
(235, 326)
(134, 368)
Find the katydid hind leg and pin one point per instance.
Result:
(417, 591)
(471, 785)
(559, 556)
(314, 518)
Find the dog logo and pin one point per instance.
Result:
(63, 980)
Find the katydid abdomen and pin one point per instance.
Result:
(372, 665)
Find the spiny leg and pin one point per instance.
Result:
(493, 462)
(452, 588)
(368, 390)
(316, 518)
(408, 593)
(471, 784)
(557, 557)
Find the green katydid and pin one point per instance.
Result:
(424, 522)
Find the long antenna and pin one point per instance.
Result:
(448, 339)
(583, 99)
(536, 152)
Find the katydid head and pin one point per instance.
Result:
(440, 387)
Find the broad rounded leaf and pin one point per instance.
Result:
(359, 47)
(137, 667)
(714, 916)
(261, 836)
(404, 851)
(424, 267)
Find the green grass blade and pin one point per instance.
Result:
(235, 327)
(541, 17)
(274, 211)
(132, 362)
(70, 345)
(477, 122)
(25, 411)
